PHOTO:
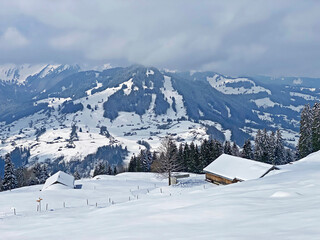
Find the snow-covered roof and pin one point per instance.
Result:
(60, 177)
(236, 167)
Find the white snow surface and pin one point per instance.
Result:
(219, 83)
(59, 178)
(236, 167)
(282, 205)
(19, 73)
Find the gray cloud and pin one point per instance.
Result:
(232, 37)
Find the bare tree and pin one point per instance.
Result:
(168, 159)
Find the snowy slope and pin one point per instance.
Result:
(188, 107)
(284, 205)
(19, 73)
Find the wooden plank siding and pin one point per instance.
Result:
(217, 179)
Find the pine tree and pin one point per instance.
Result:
(115, 171)
(146, 160)
(247, 150)
(316, 127)
(279, 151)
(9, 181)
(271, 145)
(258, 146)
(192, 155)
(288, 156)
(100, 169)
(109, 171)
(44, 173)
(37, 173)
(133, 164)
(76, 175)
(305, 138)
(227, 148)
(235, 149)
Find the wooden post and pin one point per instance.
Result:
(47, 207)
(64, 204)
(87, 202)
(96, 204)
(161, 190)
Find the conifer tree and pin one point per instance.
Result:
(100, 169)
(146, 160)
(37, 173)
(288, 156)
(9, 180)
(247, 150)
(235, 149)
(279, 151)
(305, 138)
(316, 127)
(227, 148)
(258, 146)
(133, 164)
(115, 171)
(270, 145)
(109, 171)
(76, 175)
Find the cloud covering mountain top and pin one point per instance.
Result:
(233, 37)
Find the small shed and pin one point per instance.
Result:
(59, 178)
(228, 169)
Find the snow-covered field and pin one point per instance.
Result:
(283, 205)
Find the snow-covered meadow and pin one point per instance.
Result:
(282, 205)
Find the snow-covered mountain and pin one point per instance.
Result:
(41, 113)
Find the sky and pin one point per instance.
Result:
(234, 37)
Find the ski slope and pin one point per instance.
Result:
(283, 205)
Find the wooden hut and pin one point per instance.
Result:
(228, 169)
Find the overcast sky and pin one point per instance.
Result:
(232, 37)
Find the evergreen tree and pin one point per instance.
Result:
(37, 173)
(316, 127)
(288, 156)
(271, 145)
(227, 148)
(146, 160)
(9, 180)
(235, 149)
(43, 174)
(247, 150)
(258, 146)
(115, 171)
(186, 159)
(109, 172)
(217, 150)
(133, 164)
(76, 175)
(279, 151)
(100, 169)
(305, 138)
(192, 155)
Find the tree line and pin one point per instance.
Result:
(268, 148)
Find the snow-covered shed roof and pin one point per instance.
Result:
(232, 167)
(60, 177)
